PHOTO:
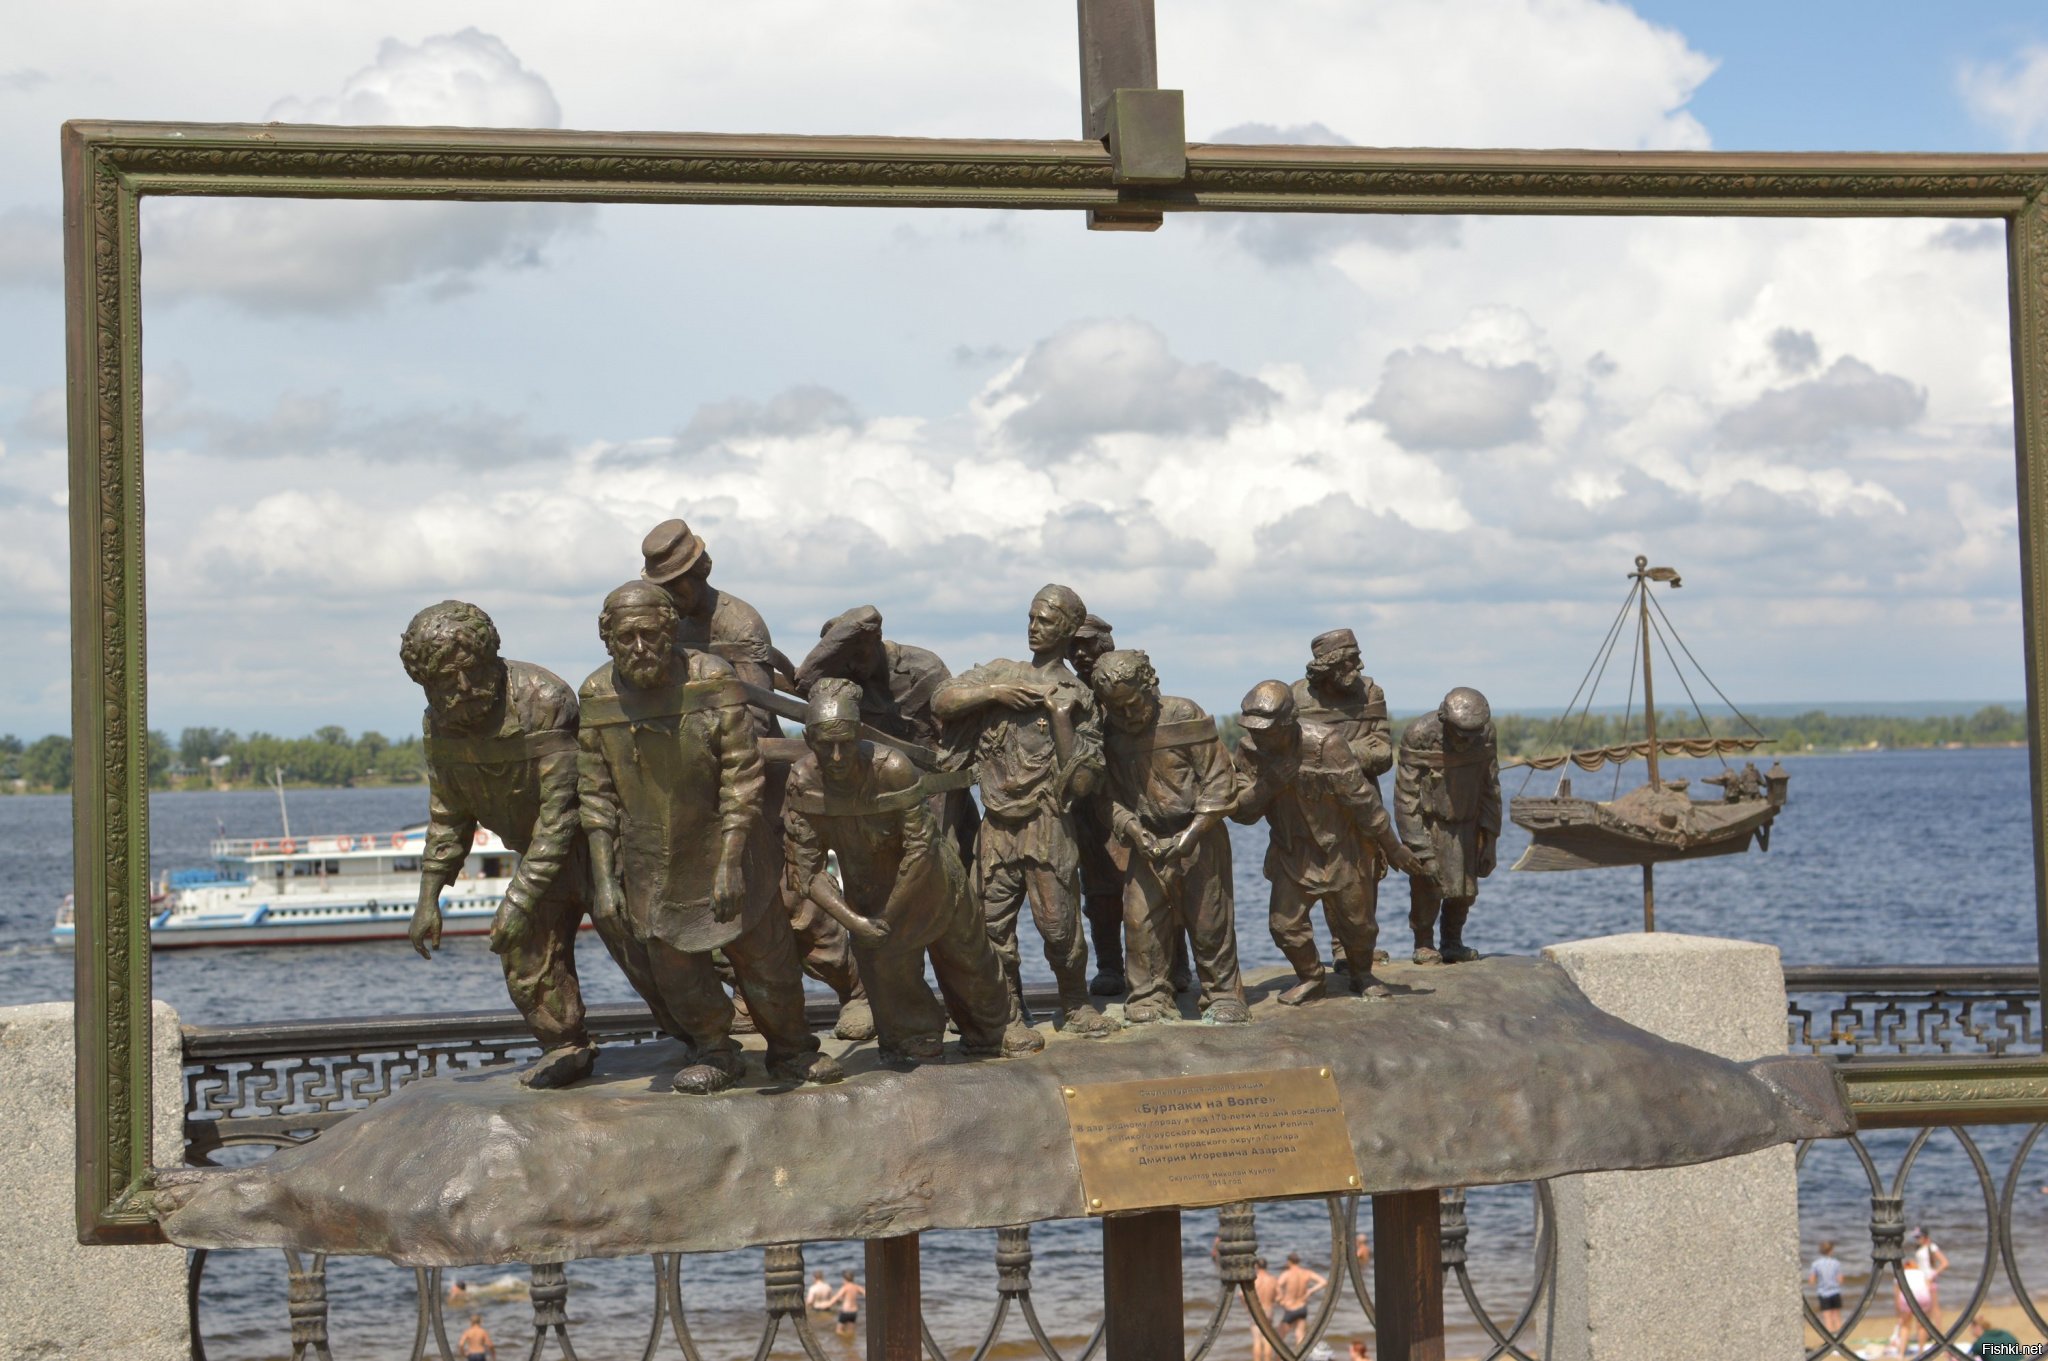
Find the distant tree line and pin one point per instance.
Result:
(205, 758)
(208, 758)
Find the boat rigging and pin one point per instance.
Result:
(1659, 820)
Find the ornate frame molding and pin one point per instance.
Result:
(109, 167)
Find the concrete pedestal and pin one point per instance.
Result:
(63, 1299)
(1689, 1261)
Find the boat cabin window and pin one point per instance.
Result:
(494, 867)
(406, 864)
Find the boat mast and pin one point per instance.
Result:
(1641, 575)
(283, 815)
(1644, 575)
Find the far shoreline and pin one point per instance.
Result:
(11, 790)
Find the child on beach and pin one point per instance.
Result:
(1825, 1276)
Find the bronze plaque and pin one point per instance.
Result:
(1192, 1141)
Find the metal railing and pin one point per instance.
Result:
(1914, 1045)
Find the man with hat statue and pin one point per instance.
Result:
(896, 682)
(1322, 812)
(901, 891)
(1037, 746)
(716, 621)
(501, 753)
(1104, 859)
(671, 784)
(1447, 803)
(712, 620)
(1170, 786)
(1338, 694)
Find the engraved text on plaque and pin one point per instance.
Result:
(1210, 1140)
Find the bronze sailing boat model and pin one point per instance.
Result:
(1659, 820)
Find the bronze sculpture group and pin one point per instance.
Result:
(713, 853)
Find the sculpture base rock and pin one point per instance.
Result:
(1494, 1071)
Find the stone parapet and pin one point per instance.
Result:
(64, 1299)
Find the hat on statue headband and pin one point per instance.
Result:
(834, 709)
(1465, 708)
(1268, 704)
(1325, 646)
(671, 550)
(1093, 627)
(840, 632)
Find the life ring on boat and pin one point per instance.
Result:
(262, 845)
(481, 837)
(397, 841)
(345, 843)
(288, 846)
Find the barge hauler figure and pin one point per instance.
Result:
(501, 753)
(671, 783)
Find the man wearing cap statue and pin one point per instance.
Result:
(1037, 746)
(671, 780)
(1338, 694)
(716, 621)
(1447, 802)
(501, 753)
(901, 892)
(1103, 858)
(1170, 785)
(712, 620)
(897, 682)
(1322, 812)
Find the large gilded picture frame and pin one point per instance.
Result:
(109, 167)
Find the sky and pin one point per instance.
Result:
(1452, 435)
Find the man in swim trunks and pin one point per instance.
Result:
(1265, 1289)
(847, 1300)
(475, 1344)
(1293, 1289)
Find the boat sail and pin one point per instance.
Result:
(1657, 821)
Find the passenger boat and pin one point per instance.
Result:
(1659, 820)
(316, 890)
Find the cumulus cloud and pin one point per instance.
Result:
(284, 255)
(1466, 75)
(1439, 399)
(1848, 396)
(324, 426)
(2011, 96)
(1971, 236)
(31, 249)
(1124, 539)
(789, 414)
(1796, 352)
(1114, 376)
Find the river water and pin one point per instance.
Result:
(1882, 857)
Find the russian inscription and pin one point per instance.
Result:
(1210, 1140)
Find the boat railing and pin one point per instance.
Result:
(242, 848)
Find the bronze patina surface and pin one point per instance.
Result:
(478, 1169)
(1178, 1142)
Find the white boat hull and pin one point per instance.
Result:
(320, 890)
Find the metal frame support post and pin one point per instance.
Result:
(1141, 1287)
(1408, 1275)
(895, 1299)
(1122, 106)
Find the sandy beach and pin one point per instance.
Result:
(1869, 1337)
